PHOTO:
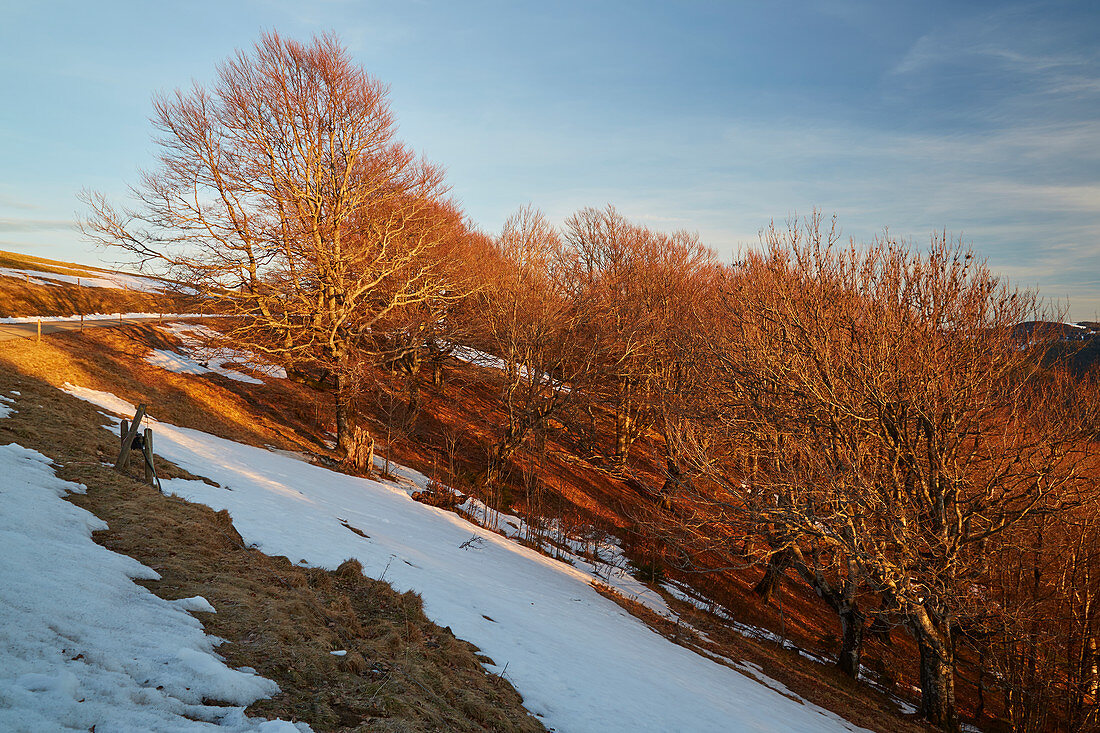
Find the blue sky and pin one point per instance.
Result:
(979, 118)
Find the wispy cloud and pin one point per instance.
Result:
(1021, 62)
(10, 201)
(36, 225)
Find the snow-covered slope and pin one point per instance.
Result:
(92, 278)
(193, 358)
(83, 646)
(581, 662)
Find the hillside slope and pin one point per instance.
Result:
(248, 406)
(86, 648)
(581, 662)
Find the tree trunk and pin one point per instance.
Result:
(361, 453)
(343, 409)
(674, 479)
(773, 575)
(979, 710)
(851, 640)
(499, 455)
(412, 390)
(937, 680)
(439, 376)
(1092, 673)
(622, 434)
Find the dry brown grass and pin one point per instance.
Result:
(401, 673)
(281, 413)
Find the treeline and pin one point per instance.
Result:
(864, 417)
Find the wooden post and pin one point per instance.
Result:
(82, 323)
(147, 449)
(38, 339)
(120, 317)
(128, 439)
(123, 430)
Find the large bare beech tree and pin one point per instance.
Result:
(282, 194)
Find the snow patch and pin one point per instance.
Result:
(193, 604)
(196, 359)
(98, 317)
(84, 646)
(109, 280)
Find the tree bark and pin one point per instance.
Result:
(412, 390)
(674, 479)
(343, 410)
(623, 426)
(500, 454)
(937, 678)
(773, 575)
(851, 640)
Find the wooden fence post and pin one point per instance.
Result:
(123, 429)
(82, 323)
(38, 338)
(128, 439)
(147, 450)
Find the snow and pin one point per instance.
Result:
(196, 359)
(193, 604)
(109, 280)
(470, 355)
(98, 317)
(690, 596)
(6, 403)
(580, 661)
(84, 646)
(601, 553)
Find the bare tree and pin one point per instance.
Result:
(639, 289)
(530, 323)
(282, 194)
(606, 254)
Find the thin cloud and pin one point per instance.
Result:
(36, 225)
(10, 202)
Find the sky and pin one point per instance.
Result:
(980, 119)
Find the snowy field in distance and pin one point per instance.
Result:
(98, 317)
(86, 648)
(93, 279)
(193, 358)
(580, 661)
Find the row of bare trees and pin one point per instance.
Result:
(872, 418)
(869, 418)
(865, 417)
